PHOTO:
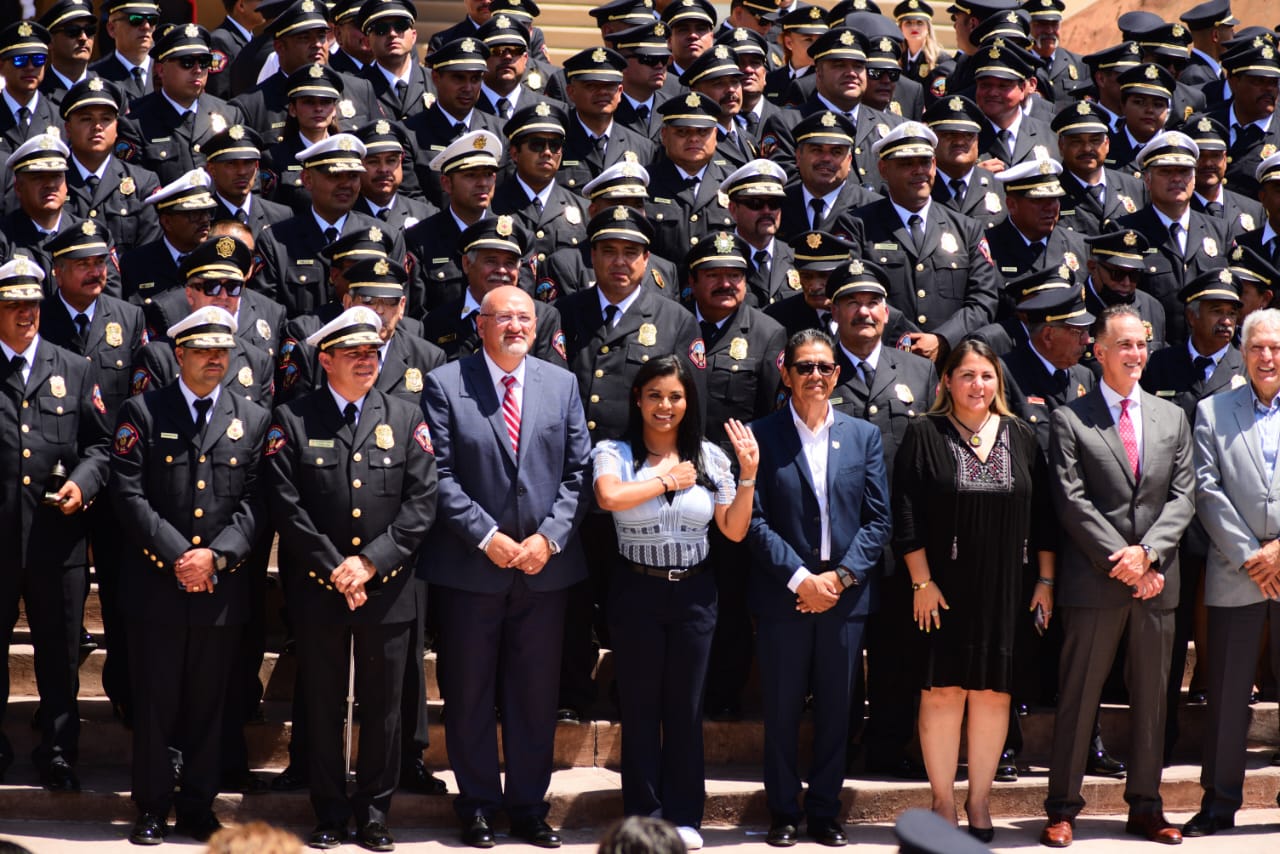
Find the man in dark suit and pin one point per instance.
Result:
(39, 168)
(387, 191)
(1008, 134)
(1123, 486)
(399, 82)
(1187, 243)
(1211, 24)
(185, 601)
(752, 53)
(1263, 240)
(228, 40)
(1065, 69)
(512, 448)
(814, 576)
(1034, 234)
(825, 195)
(1116, 267)
(131, 24)
(184, 209)
(512, 79)
(23, 112)
(1241, 213)
(349, 574)
(644, 78)
(798, 27)
(1095, 195)
(53, 417)
(755, 192)
(715, 73)
(72, 28)
(1146, 92)
(1255, 134)
(961, 184)
(232, 158)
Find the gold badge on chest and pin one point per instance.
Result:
(57, 386)
(245, 376)
(235, 430)
(115, 334)
(738, 349)
(383, 437)
(648, 335)
(413, 380)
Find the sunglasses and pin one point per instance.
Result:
(216, 288)
(384, 28)
(35, 60)
(804, 369)
(507, 52)
(880, 73)
(1122, 274)
(75, 31)
(189, 62)
(760, 204)
(653, 61)
(540, 144)
(139, 20)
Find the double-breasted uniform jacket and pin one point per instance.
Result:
(1014, 257)
(561, 224)
(1242, 214)
(781, 282)
(437, 264)
(1033, 393)
(837, 218)
(983, 196)
(262, 213)
(117, 334)
(1067, 72)
(59, 416)
(1168, 269)
(162, 141)
(260, 322)
(902, 389)
(949, 288)
(250, 371)
(1123, 195)
(293, 272)
(567, 271)
(407, 360)
(581, 161)
(777, 140)
(431, 131)
(742, 371)
(456, 336)
(146, 270)
(605, 359)
(119, 202)
(320, 472)
(680, 216)
(175, 490)
(1035, 141)
(266, 106)
(44, 118)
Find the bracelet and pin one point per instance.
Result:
(662, 479)
(922, 585)
(1047, 582)
(751, 481)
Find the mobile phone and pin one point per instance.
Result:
(1041, 621)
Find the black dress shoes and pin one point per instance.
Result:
(148, 829)
(1103, 764)
(374, 836)
(982, 834)
(1007, 769)
(88, 643)
(414, 777)
(1207, 824)
(477, 833)
(568, 716)
(198, 827)
(827, 831)
(782, 833)
(327, 835)
(289, 780)
(57, 776)
(537, 832)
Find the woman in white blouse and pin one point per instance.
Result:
(664, 485)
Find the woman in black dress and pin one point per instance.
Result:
(971, 509)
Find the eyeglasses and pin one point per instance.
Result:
(189, 62)
(653, 61)
(1121, 274)
(508, 319)
(216, 288)
(378, 302)
(878, 73)
(804, 369)
(759, 204)
(139, 20)
(539, 144)
(75, 31)
(384, 28)
(35, 60)
(507, 52)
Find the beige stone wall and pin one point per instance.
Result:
(1094, 26)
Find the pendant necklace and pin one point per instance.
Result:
(975, 439)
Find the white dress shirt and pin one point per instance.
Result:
(191, 397)
(1113, 398)
(29, 354)
(815, 447)
(342, 402)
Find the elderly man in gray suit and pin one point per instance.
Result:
(1124, 493)
(1237, 437)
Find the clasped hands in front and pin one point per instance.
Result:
(818, 593)
(529, 555)
(1132, 568)
(1263, 567)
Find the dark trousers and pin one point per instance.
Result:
(244, 686)
(54, 602)
(414, 734)
(662, 633)
(1091, 638)
(108, 551)
(893, 685)
(1190, 571)
(380, 651)
(582, 620)
(180, 679)
(1234, 634)
(801, 656)
(503, 650)
(733, 644)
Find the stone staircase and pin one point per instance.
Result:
(586, 787)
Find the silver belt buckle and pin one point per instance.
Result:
(676, 574)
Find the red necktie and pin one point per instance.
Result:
(511, 413)
(1128, 437)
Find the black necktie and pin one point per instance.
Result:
(1037, 251)
(1272, 246)
(824, 318)
(402, 89)
(504, 108)
(349, 413)
(642, 113)
(602, 142)
(471, 318)
(1204, 367)
(709, 332)
(1095, 192)
(82, 329)
(202, 405)
(868, 375)
(24, 117)
(241, 216)
(188, 119)
(817, 207)
(690, 184)
(384, 214)
(330, 234)
(536, 201)
(1175, 229)
(610, 315)
(1060, 381)
(1214, 209)
(958, 188)
(92, 183)
(17, 363)
(761, 259)
(915, 223)
(459, 129)
(1005, 137)
(138, 79)
(753, 123)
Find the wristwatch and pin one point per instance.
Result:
(1151, 555)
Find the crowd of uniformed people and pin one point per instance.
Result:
(788, 283)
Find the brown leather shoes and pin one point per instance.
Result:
(1154, 827)
(1056, 834)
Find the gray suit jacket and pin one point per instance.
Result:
(1237, 501)
(1101, 507)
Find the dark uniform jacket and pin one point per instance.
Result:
(569, 270)
(167, 145)
(742, 371)
(1241, 214)
(456, 335)
(110, 68)
(408, 359)
(605, 359)
(1003, 335)
(1123, 154)
(23, 238)
(119, 202)
(1067, 73)
(836, 218)
(146, 270)
(782, 281)
(227, 42)
(796, 315)
(117, 334)
(394, 105)
(983, 196)
(319, 471)
(777, 84)
(679, 216)
(650, 126)
(282, 174)
(1168, 270)
(405, 213)
(44, 117)
(561, 224)
(431, 131)
(1015, 257)
(581, 162)
(1253, 239)
(950, 287)
(1035, 141)
(249, 371)
(1123, 194)
(437, 264)
(777, 142)
(465, 28)
(266, 105)
(1250, 149)
(175, 490)
(262, 213)
(260, 321)
(58, 417)
(1033, 393)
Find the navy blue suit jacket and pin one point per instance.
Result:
(785, 524)
(483, 484)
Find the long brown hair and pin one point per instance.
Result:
(944, 404)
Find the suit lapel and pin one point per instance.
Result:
(793, 450)
(476, 383)
(41, 369)
(371, 415)
(219, 420)
(1109, 431)
(1248, 429)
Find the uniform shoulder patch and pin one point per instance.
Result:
(126, 437)
(98, 403)
(985, 249)
(140, 381)
(698, 354)
(422, 435)
(275, 441)
(557, 342)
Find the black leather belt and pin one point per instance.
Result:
(677, 573)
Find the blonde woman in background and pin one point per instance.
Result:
(923, 54)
